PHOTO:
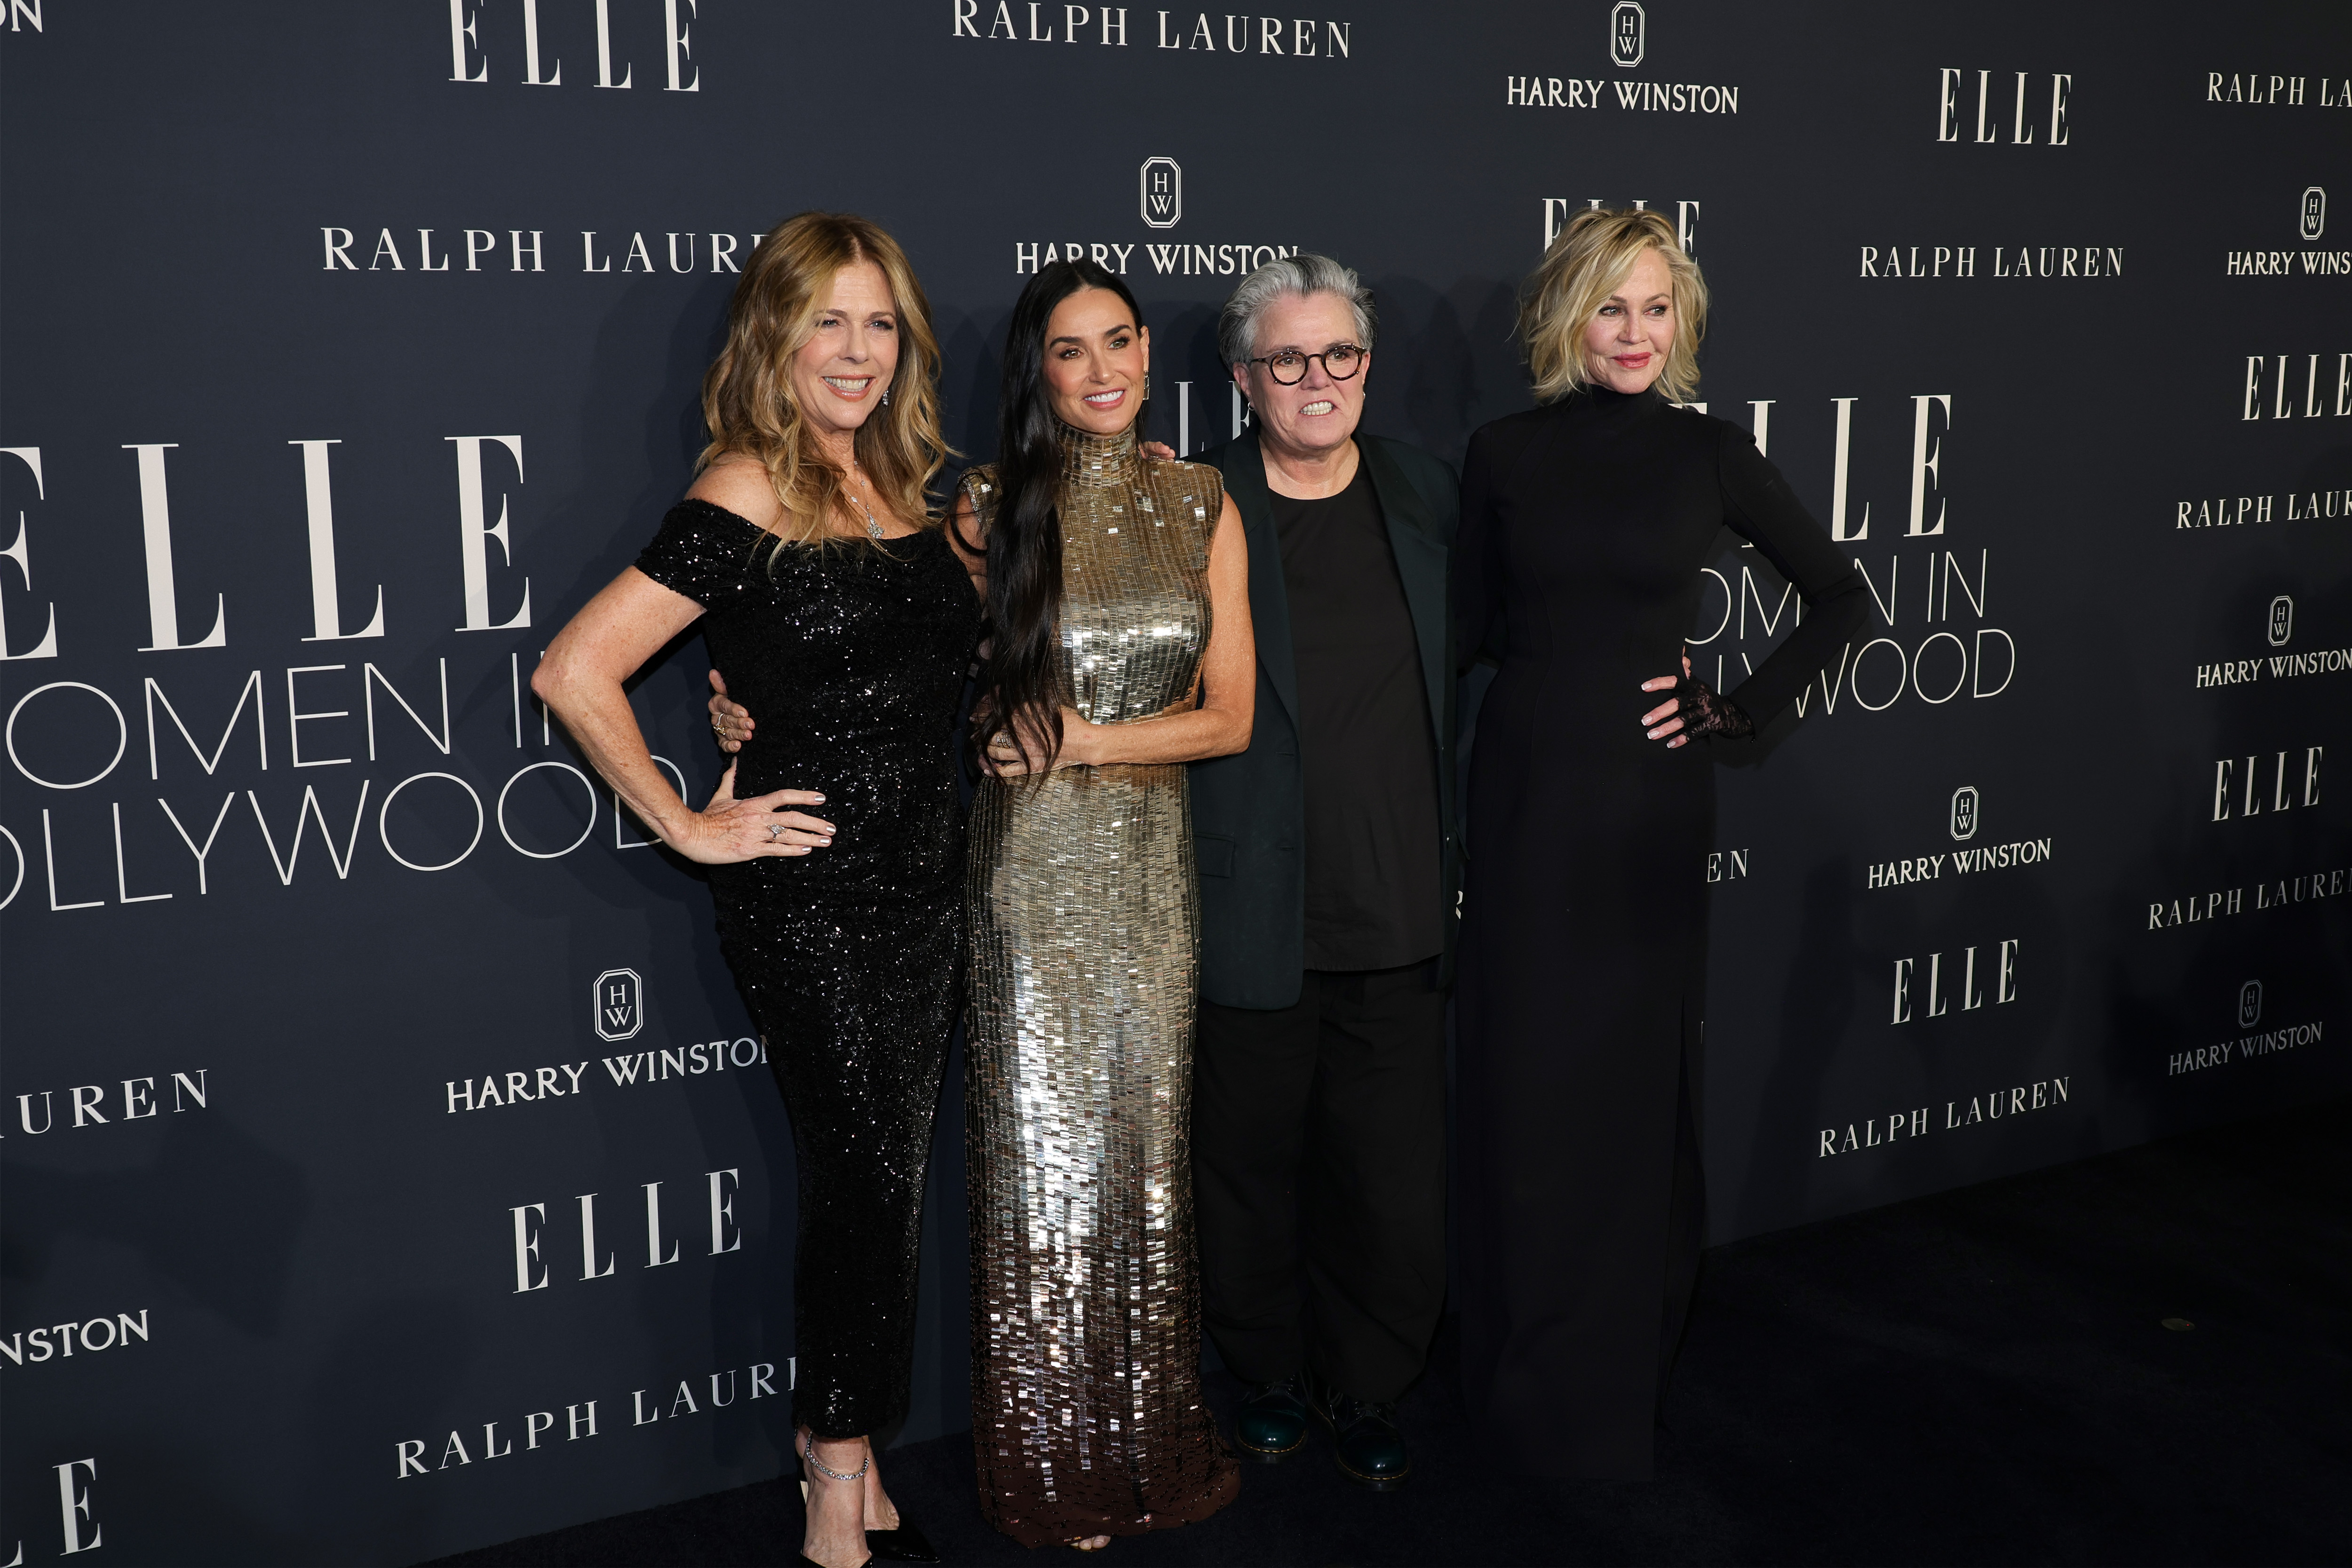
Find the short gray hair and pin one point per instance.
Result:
(1290, 277)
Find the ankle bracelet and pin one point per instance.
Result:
(808, 1448)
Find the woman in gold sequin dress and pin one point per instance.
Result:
(1119, 612)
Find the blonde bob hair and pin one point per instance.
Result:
(1587, 263)
(747, 395)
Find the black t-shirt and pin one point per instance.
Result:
(1367, 746)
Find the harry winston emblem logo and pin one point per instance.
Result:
(619, 999)
(2250, 1003)
(2282, 625)
(1629, 34)
(1163, 193)
(2314, 212)
(1964, 812)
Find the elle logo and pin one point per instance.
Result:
(2319, 399)
(1557, 210)
(1964, 813)
(1163, 184)
(2282, 621)
(532, 1272)
(2250, 1003)
(2314, 212)
(2229, 800)
(479, 489)
(618, 999)
(470, 59)
(2001, 969)
(1951, 90)
(1629, 32)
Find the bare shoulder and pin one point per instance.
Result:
(741, 485)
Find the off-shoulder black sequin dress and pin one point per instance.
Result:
(853, 656)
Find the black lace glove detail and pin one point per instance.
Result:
(1706, 712)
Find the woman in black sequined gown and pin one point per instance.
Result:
(836, 842)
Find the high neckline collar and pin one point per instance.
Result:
(1608, 400)
(1092, 459)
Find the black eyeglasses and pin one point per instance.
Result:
(1288, 368)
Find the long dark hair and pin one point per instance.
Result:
(1021, 687)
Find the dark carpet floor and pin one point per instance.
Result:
(1981, 1377)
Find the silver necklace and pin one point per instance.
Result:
(873, 528)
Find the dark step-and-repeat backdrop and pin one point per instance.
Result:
(390, 1165)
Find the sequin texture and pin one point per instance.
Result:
(1087, 1410)
(852, 658)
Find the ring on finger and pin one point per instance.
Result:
(775, 831)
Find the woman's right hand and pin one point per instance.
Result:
(728, 831)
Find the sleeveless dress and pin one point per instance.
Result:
(1086, 1411)
(852, 654)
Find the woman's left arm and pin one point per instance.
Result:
(1760, 507)
(1220, 725)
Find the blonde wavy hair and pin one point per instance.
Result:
(1587, 263)
(747, 394)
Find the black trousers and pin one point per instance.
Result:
(1318, 1179)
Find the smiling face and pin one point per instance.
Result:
(840, 375)
(1097, 356)
(1318, 415)
(1626, 342)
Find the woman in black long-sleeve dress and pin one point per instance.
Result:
(1585, 525)
(832, 597)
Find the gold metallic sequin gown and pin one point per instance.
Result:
(1084, 914)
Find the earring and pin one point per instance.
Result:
(886, 397)
(1147, 386)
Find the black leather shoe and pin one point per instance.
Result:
(1365, 1442)
(1272, 1424)
(904, 1544)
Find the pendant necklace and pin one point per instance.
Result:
(873, 528)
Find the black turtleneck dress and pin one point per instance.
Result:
(1585, 525)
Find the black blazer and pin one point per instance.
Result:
(1249, 811)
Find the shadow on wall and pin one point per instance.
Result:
(1816, 1001)
(653, 429)
(168, 1213)
(971, 369)
(1458, 356)
(632, 426)
(2332, 469)
(427, 1339)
